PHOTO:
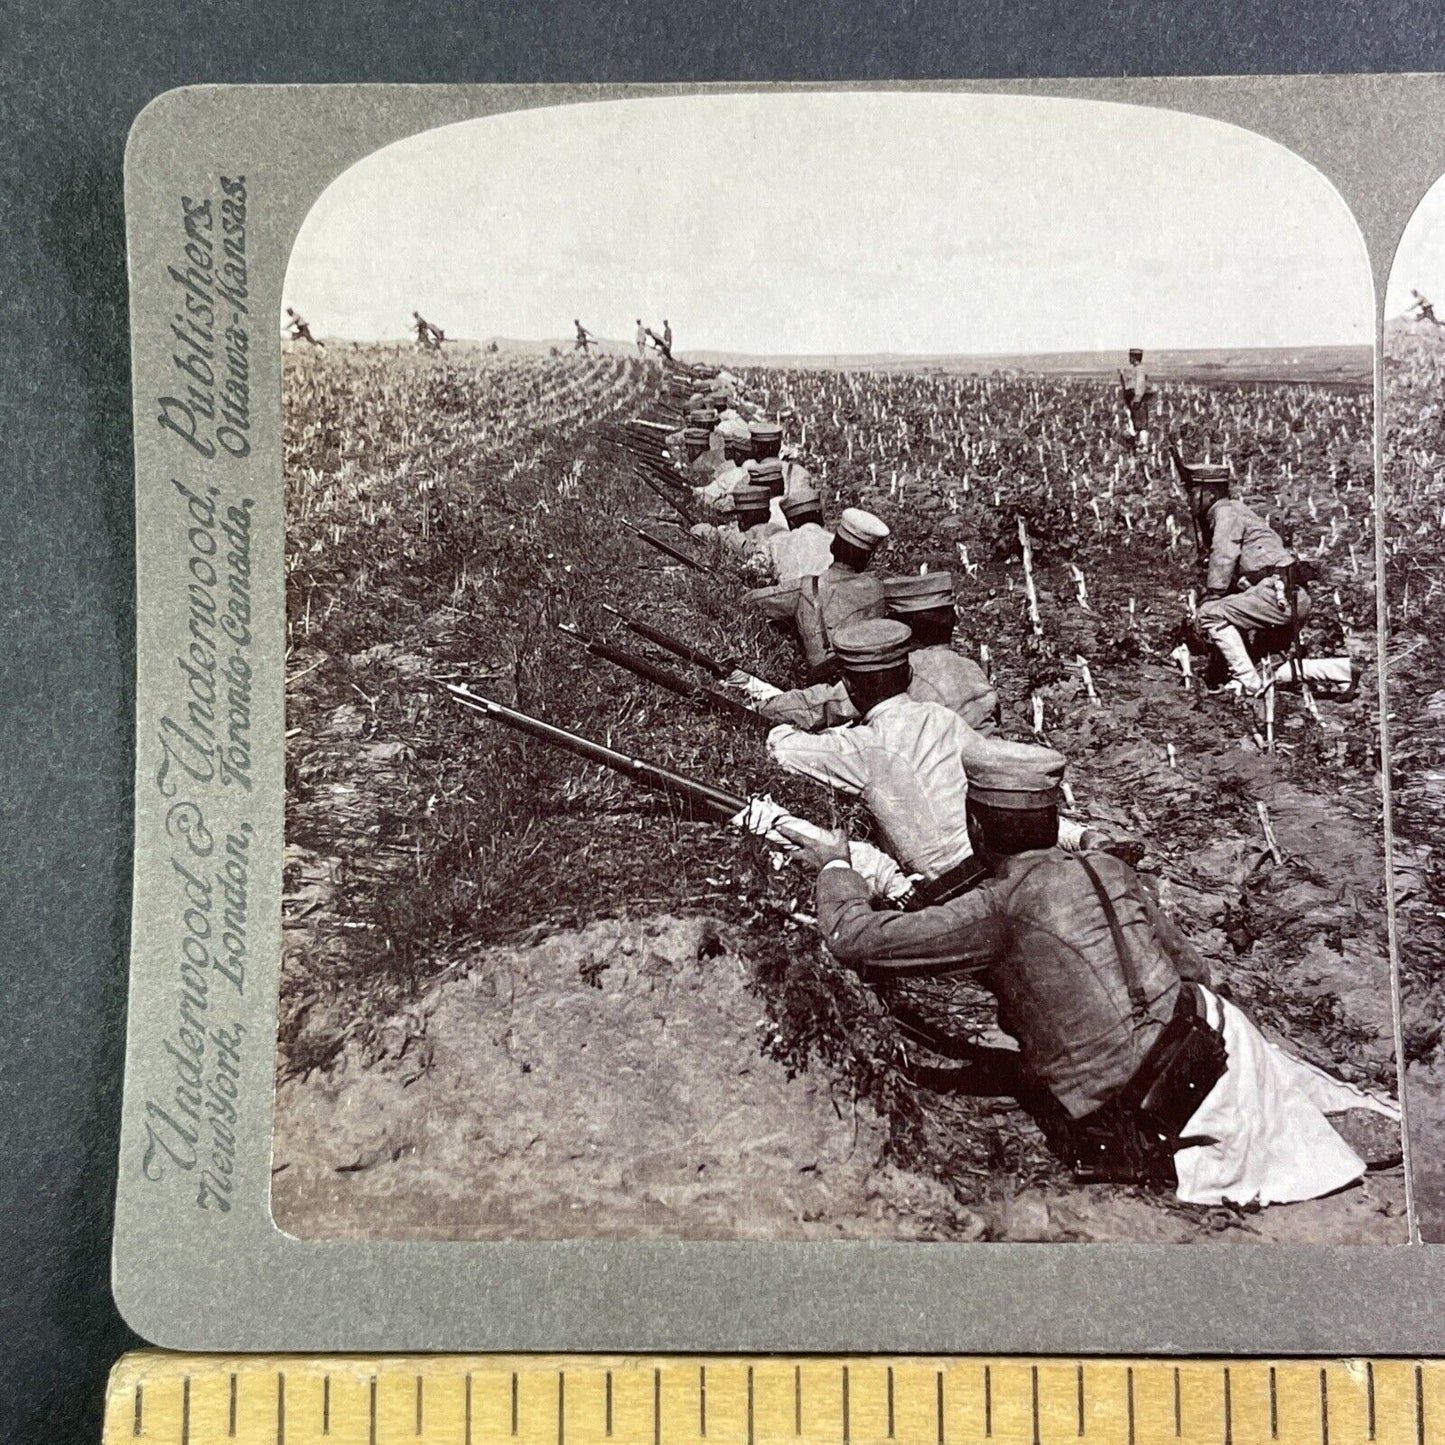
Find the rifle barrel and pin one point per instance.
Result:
(718, 667)
(703, 797)
(662, 546)
(664, 678)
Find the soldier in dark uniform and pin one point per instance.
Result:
(298, 330)
(584, 340)
(1137, 1071)
(1423, 310)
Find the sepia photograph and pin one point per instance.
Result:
(832, 687)
(1414, 446)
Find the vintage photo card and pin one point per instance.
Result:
(794, 669)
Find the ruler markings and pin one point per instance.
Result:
(192, 1400)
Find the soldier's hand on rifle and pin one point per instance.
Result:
(754, 688)
(821, 847)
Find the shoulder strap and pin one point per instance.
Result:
(816, 593)
(1138, 999)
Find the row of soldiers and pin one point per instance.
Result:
(1134, 1067)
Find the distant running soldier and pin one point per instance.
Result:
(1252, 582)
(585, 340)
(1423, 310)
(641, 339)
(1136, 398)
(1135, 1069)
(428, 337)
(298, 330)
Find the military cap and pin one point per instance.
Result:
(1019, 777)
(872, 646)
(768, 472)
(1205, 474)
(861, 528)
(802, 502)
(765, 428)
(751, 499)
(928, 592)
(1136, 353)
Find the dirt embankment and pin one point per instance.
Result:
(613, 1082)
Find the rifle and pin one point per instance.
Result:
(670, 551)
(1181, 470)
(702, 800)
(676, 503)
(718, 667)
(651, 672)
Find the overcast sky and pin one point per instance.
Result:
(1420, 260)
(842, 223)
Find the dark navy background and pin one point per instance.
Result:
(72, 77)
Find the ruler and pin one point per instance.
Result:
(176, 1399)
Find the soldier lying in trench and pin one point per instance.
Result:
(1137, 1071)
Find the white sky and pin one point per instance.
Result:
(840, 223)
(1420, 259)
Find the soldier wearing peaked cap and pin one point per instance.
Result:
(845, 591)
(1135, 1069)
(909, 761)
(801, 546)
(1252, 582)
(1136, 398)
(925, 604)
